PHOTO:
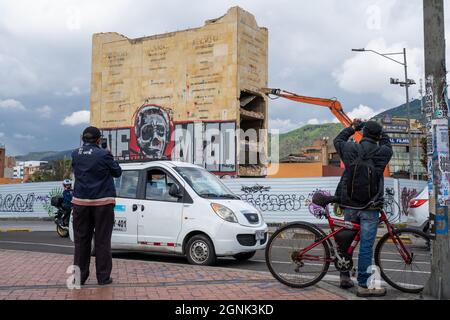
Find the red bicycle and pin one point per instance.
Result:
(299, 254)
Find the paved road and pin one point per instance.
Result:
(48, 241)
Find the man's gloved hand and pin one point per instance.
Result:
(358, 124)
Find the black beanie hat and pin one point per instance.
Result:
(91, 134)
(372, 129)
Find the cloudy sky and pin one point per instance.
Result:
(45, 57)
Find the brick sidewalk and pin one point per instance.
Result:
(33, 275)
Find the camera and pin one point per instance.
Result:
(104, 143)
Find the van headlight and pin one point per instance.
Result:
(225, 213)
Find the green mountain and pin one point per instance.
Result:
(401, 111)
(44, 156)
(35, 156)
(291, 142)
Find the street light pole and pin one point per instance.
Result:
(406, 84)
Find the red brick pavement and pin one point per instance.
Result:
(33, 275)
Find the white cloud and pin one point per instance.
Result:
(363, 112)
(76, 118)
(283, 125)
(23, 136)
(11, 104)
(313, 121)
(44, 112)
(74, 91)
(369, 73)
(2, 134)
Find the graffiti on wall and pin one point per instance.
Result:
(149, 138)
(260, 197)
(26, 202)
(155, 136)
(17, 202)
(152, 128)
(406, 196)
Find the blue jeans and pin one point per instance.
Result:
(368, 220)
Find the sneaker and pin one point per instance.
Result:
(366, 292)
(346, 282)
(103, 283)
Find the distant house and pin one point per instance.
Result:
(24, 169)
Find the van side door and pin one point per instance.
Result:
(161, 221)
(128, 206)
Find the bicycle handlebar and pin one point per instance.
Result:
(323, 200)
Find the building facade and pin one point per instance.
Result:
(397, 129)
(25, 169)
(183, 95)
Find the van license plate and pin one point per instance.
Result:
(259, 235)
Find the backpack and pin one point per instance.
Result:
(362, 177)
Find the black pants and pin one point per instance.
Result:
(85, 220)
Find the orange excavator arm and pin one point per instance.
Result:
(333, 104)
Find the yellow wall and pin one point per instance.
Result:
(197, 73)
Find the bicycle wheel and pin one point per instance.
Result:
(282, 255)
(407, 276)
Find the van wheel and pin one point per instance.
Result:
(63, 233)
(243, 256)
(200, 251)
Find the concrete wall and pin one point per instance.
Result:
(279, 200)
(28, 199)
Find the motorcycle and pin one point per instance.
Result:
(62, 217)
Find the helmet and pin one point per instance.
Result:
(67, 182)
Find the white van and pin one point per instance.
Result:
(177, 207)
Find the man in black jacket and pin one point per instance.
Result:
(375, 143)
(94, 201)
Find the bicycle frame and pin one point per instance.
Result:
(337, 225)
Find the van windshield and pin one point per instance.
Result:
(205, 184)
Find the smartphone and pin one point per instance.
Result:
(104, 143)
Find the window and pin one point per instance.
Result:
(205, 184)
(158, 185)
(126, 185)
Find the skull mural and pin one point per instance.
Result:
(152, 130)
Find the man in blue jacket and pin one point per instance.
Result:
(94, 200)
(375, 145)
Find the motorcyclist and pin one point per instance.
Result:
(67, 197)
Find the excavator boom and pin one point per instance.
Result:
(333, 104)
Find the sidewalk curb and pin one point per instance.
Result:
(25, 219)
(16, 230)
(338, 291)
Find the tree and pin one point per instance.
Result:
(56, 170)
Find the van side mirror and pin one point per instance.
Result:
(174, 191)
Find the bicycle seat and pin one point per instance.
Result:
(322, 200)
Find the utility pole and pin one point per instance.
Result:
(407, 84)
(436, 110)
